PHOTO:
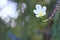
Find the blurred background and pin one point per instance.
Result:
(25, 25)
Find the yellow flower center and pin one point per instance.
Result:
(40, 13)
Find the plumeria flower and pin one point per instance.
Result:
(40, 11)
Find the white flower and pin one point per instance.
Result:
(3, 3)
(8, 11)
(23, 7)
(40, 11)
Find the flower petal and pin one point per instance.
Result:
(44, 13)
(38, 6)
(44, 8)
(37, 15)
(35, 11)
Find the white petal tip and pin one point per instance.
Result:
(44, 8)
(37, 16)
